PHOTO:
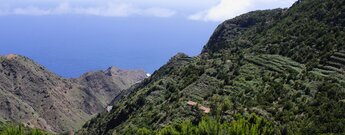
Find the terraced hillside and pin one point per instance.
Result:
(335, 63)
(284, 65)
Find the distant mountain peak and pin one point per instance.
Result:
(114, 69)
(11, 56)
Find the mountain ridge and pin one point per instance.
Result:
(284, 65)
(36, 97)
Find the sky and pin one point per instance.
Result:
(71, 37)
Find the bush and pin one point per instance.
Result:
(252, 125)
(13, 129)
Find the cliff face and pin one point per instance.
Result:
(286, 65)
(32, 95)
(107, 84)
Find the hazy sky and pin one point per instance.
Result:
(71, 37)
(206, 10)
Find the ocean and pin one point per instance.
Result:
(73, 45)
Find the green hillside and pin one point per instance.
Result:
(285, 65)
(18, 129)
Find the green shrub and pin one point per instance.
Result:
(14, 129)
(252, 125)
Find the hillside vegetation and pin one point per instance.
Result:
(285, 66)
(19, 129)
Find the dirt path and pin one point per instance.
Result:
(201, 107)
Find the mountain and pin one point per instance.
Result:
(283, 65)
(105, 85)
(36, 97)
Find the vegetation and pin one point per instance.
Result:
(284, 65)
(253, 125)
(18, 129)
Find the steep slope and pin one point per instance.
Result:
(285, 65)
(32, 95)
(105, 85)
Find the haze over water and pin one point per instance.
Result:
(72, 45)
